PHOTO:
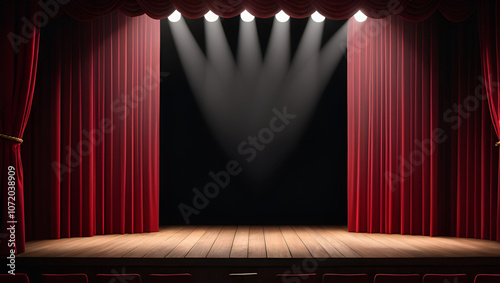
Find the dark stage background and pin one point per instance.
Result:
(307, 187)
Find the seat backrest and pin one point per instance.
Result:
(118, 278)
(487, 278)
(297, 278)
(170, 278)
(397, 278)
(16, 278)
(445, 278)
(64, 278)
(345, 278)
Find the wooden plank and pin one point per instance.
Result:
(364, 245)
(275, 243)
(240, 243)
(205, 243)
(143, 248)
(343, 248)
(117, 248)
(294, 243)
(331, 249)
(222, 246)
(80, 246)
(187, 244)
(360, 247)
(256, 243)
(165, 247)
(310, 242)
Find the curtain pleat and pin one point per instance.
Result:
(392, 104)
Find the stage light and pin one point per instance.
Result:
(246, 16)
(175, 16)
(360, 17)
(282, 17)
(317, 17)
(211, 17)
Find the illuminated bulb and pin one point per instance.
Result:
(282, 17)
(360, 17)
(246, 16)
(175, 16)
(211, 17)
(317, 17)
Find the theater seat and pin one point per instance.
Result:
(397, 278)
(64, 278)
(345, 278)
(170, 278)
(110, 278)
(17, 278)
(297, 278)
(487, 278)
(445, 278)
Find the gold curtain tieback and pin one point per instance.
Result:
(14, 139)
(497, 144)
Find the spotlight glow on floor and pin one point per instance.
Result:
(211, 17)
(360, 17)
(246, 16)
(175, 16)
(317, 17)
(282, 17)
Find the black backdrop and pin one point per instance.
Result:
(309, 187)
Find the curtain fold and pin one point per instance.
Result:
(19, 51)
(392, 126)
(99, 96)
(489, 34)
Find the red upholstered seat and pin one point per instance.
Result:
(64, 278)
(296, 278)
(118, 278)
(345, 278)
(397, 278)
(445, 278)
(170, 278)
(17, 278)
(487, 278)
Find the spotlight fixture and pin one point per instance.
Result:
(175, 16)
(246, 16)
(282, 17)
(317, 17)
(360, 17)
(211, 17)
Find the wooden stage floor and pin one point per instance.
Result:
(268, 250)
(261, 242)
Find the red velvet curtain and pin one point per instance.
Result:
(19, 52)
(392, 126)
(411, 10)
(96, 114)
(420, 152)
(489, 31)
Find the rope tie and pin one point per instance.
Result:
(14, 139)
(497, 144)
